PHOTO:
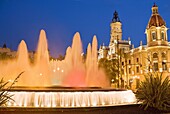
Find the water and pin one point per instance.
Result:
(73, 71)
(79, 98)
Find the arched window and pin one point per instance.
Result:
(155, 55)
(162, 35)
(153, 36)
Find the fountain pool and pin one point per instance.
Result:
(71, 82)
(70, 97)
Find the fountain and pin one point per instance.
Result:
(68, 83)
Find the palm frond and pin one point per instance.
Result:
(4, 94)
(154, 91)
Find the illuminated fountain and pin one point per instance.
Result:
(35, 74)
(82, 74)
(68, 83)
(71, 97)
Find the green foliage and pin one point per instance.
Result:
(4, 94)
(110, 67)
(154, 92)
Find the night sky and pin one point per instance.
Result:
(61, 19)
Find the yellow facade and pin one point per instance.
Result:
(136, 62)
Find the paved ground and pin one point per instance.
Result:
(127, 109)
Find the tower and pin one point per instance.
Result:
(115, 35)
(116, 28)
(157, 41)
(156, 30)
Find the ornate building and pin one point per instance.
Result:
(134, 63)
(116, 41)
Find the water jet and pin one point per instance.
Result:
(67, 83)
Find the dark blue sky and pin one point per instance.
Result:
(23, 19)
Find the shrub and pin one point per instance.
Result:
(4, 94)
(154, 92)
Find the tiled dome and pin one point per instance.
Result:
(156, 20)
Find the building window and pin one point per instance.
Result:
(155, 66)
(164, 66)
(130, 70)
(122, 71)
(129, 61)
(137, 83)
(153, 36)
(122, 63)
(155, 56)
(162, 35)
(137, 69)
(137, 60)
(163, 55)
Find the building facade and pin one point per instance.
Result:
(134, 63)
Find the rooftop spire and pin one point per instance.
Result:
(115, 17)
(154, 5)
(154, 9)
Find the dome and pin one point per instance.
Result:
(156, 20)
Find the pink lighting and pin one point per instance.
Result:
(71, 72)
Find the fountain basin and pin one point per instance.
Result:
(68, 97)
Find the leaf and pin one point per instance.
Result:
(154, 91)
(4, 94)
